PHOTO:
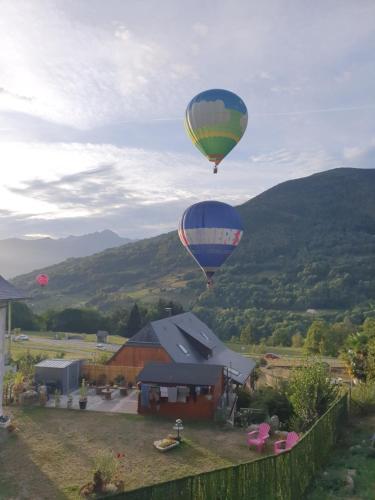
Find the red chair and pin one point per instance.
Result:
(292, 438)
(258, 438)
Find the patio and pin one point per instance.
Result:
(117, 403)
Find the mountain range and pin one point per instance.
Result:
(19, 256)
(308, 243)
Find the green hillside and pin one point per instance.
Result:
(308, 244)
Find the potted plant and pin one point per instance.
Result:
(83, 395)
(57, 399)
(69, 401)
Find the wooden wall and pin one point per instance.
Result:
(138, 356)
(201, 409)
(106, 374)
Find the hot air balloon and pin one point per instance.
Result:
(215, 121)
(42, 280)
(210, 231)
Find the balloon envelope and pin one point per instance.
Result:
(210, 231)
(215, 121)
(42, 279)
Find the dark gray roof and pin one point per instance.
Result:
(9, 292)
(144, 337)
(199, 344)
(180, 373)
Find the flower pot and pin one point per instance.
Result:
(82, 404)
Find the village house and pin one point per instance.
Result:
(197, 364)
(182, 339)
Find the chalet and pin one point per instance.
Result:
(183, 339)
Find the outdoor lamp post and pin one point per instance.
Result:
(178, 427)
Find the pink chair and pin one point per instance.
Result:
(286, 444)
(258, 438)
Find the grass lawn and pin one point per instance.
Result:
(352, 453)
(52, 454)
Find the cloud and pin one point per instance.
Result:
(133, 191)
(87, 66)
(362, 157)
(93, 100)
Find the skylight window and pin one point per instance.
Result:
(205, 336)
(232, 371)
(183, 349)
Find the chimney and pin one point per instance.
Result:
(169, 311)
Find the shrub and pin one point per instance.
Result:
(311, 392)
(107, 465)
(244, 398)
(363, 397)
(273, 401)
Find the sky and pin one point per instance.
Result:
(93, 96)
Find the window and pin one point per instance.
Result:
(183, 349)
(205, 336)
(232, 371)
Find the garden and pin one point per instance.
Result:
(53, 452)
(65, 453)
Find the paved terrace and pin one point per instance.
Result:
(118, 404)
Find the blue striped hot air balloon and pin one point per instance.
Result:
(210, 231)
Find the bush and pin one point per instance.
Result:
(363, 397)
(244, 398)
(311, 392)
(107, 465)
(273, 401)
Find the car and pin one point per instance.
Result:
(271, 355)
(21, 337)
(100, 346)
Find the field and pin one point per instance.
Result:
(46, 343)
(52, 454)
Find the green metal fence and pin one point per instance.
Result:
(282, 477)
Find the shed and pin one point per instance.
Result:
(61, 374)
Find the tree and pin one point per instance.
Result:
(246, 335)
(370, 365)
(314, 336)
(310, 392)
(360, 351)
(297, 340)
(76, 320)
(333, 339)
(134, 322)
(118, 322)
(24, 318)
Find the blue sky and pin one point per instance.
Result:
(93, 94)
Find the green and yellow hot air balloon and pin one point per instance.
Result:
(215, 121)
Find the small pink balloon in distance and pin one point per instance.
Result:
(42, 279)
